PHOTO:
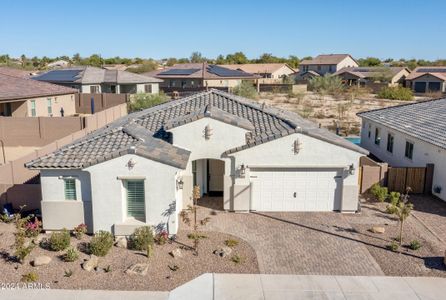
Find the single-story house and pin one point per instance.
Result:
(326, 64)
(410, 135)
(15, 72)
(199, 75)
(22, 97)
(427, 79)
(273, 71)
(96, 80)
(364, 76)
(141, 169)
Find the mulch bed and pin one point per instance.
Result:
(426, 261)
(159, 277)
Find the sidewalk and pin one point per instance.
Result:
(264, 286)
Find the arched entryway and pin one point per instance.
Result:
(209, 174)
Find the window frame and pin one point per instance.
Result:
(409, 154)
(390, 137)
(33, 108)
(377, 139)
(74, 192)
(49, 106)
(148, 88)
(128, 212)
(369, 134)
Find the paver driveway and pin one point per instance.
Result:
(298, 243)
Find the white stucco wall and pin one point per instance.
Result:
(282, 71)
(423, 153)
(109, 198)
(140, 88)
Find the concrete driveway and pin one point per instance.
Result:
(298, 243)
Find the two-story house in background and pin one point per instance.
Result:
(325, 64)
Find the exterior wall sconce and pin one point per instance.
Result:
(207, 132)
(297, 146)
(242, 170)
(180, 183)
(130, 164)
(351, 169)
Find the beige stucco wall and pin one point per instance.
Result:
(428, 78)
(57, 102)
(283, 71)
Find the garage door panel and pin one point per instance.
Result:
(295, 190)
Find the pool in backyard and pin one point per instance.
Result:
(354, 139)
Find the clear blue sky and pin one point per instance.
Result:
(158, 29)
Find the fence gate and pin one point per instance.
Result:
(399, 179)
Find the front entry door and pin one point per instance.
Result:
(216, 171)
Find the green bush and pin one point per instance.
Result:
(415, 245)
(30, 277)
(393, 246)
(380, 193)
(245, 89)
(237, 259)
(142, 238)
(101, 243)
(142, 101)
(395, 93)
(71, 255)
(327, 84)
(231, 243)
(59, 240)
(394, 199)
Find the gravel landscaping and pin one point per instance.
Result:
(426, 261)
(164, 272)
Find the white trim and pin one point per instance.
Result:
(299, 166)
(131, 177)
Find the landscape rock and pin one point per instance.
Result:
(91, 263)
(38, 239)
(223, 251)
(41, 260)
(378, 229)
(176, 253)
(138, 269)
(121, 242)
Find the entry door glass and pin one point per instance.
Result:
(136, 199)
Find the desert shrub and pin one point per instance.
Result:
(415, 245)
(394, 198)
(71, 255)
(142, 101)
(68, 273)
(306, 112)
(237, 259)
(101, 243)
(245, 89)
(393, 246)
(30, 277)
(380, 193)
(327, 84)
(5, 218)
(21, 251)
(395, 93)
(231, 243)
(142, 238)
(33, 228)
(79, 231)
(161, 238)
(59, 240)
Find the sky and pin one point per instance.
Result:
(175, 28)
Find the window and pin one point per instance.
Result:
(377, 136)
(330, 68)
(49, 106)
(148, 88)
(194, 172)
(409, 150)
(318, 68)
(135, 199)
(33, 108)
(94, 89)
(369, 134)
(7, 110)
(70, 188)
(390, 142)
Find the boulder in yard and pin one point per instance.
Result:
(378, 229)
(223, 251)
(121, 242)
(176, 253)
(138, 269)
(91, 263)
(41, 260)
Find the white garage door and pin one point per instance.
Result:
(295, 190)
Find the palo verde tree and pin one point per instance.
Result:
(402, 210)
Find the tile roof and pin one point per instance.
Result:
(15, 72)
(325, 59)
(258, 68)
(425, 120)
(93, 75)
(439, 72)
(148, 128)
(368, 72)
(14, 88)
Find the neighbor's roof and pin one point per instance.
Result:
(326, 59)
(195, 70)
(367, 72)
(15, 72)
(151, 125)
(92, 75)
(439, 72)
(14, 88)
(423, 120)
(258, 68)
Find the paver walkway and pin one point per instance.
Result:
(298, 243)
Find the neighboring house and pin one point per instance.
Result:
(427, 79)
(21, 97)
(16, 72)
(325, 64)
(410, 135)
(141, 169)
(58, 64)
(199, 75)
(276, 71)
(363, 76)
(95, 80)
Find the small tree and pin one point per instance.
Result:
(245, 89)
(189, 216)
(402, 211)
(142, 101)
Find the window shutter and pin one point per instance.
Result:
(136, 199)
(70, 189)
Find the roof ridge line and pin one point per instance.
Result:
(401, 105)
